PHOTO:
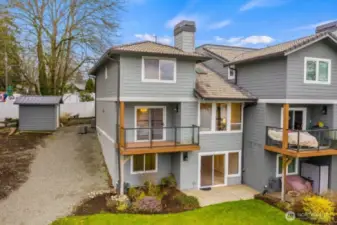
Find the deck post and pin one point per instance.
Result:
(121, 162)
(286, 160)
(285, 127)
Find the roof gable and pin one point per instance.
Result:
(282, 49)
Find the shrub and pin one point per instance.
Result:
(318, 209)
(286, 206)
(148, 204)
(152, 189)
(122, 206)
(187, 202)
(135, 194)
(169, 181)
(65, 117)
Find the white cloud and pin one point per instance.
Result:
(244, 41)
(148, 37)
(311, 26)
(261, 3)
(219, 24)
(175, 20)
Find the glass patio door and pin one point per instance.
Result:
(212, 170)
(150, 118)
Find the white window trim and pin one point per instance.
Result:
(304, 119)
(229, 73)
(145, 171)
(158, 80)
(106, 72)
(164, 121)
(277, 165)
(317, 60)
(228, 125)
(226, 153)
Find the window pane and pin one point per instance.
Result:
(138, 163)
(292, 166)
(280, 164)
(323, 71)
(311, 70)
(151, 69)
(236, 116)
(205, 116)
(221, 116)
(233, 163)
(150, 162)
(166, 70)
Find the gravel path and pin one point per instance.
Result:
(65, 170)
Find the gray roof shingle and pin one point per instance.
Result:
(38, 100)
(227, 53)
(210, 85)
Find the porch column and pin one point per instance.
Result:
(284, 148)
(121, 143)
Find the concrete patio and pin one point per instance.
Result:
(223, 194)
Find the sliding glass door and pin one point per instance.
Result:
(212, 170)
(147, 118)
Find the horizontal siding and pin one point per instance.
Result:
(107, 87)
(185, 41)
(220, 142)
(264, 79)
(37, 118)
(132, 86)
(296, 88)
(164, 169)
(106, 117)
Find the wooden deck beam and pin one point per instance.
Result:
(168, 149)
(301, 154)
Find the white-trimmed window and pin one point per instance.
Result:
(292, 167)
(146, 163)
(317, 71)
(234, 160)
(220, 117)
(106, 72)
(231, 73)
(158, 70)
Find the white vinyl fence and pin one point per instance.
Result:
(83, 109)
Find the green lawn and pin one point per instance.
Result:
(236, 213)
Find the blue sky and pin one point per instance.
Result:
(249, 23)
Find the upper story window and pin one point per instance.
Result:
(159, 70)
(220, 117)
(231, 73)
(317, 71)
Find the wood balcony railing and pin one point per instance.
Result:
(158, 140)
(302, 143)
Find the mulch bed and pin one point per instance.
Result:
(98, 204)
(16, 154)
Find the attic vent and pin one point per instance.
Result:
(200, 71)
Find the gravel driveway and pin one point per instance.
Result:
(65, 170)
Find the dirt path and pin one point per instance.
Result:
(67, 168)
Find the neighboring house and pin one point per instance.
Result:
(173, 117)
(202, 114)
(300, 75)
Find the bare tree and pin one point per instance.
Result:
(65, 33)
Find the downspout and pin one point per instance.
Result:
(117, 122)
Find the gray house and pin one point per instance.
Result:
(161, 111)
(215, 115)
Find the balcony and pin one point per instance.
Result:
(159, 140)
(302, 143)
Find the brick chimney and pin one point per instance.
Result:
(328, 27)
(184, 36)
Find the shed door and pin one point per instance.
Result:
(37, 117)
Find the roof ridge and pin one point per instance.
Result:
(217, 45)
